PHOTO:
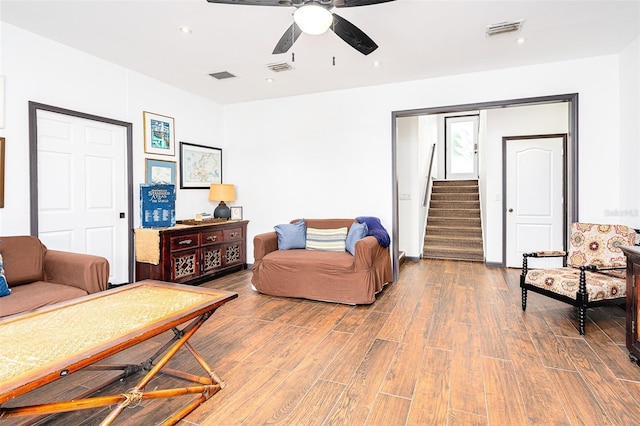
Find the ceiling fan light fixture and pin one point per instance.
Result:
(313, 19)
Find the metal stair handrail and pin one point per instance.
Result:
(427, 197)
(429, 180)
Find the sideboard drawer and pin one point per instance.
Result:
(232, 234)
(211, 237)
(183, 242)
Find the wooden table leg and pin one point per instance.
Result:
(136, 394)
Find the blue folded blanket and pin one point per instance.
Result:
(376, 229)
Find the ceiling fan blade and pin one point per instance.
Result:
(353, 3)
(353, 35)
(254, 2)
(288, 38)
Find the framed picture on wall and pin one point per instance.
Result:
(236, 213)
(160, 172)
(200, 166)
(159, 134)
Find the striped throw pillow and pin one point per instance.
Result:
(326, 239)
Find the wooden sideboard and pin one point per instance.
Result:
(633, 305)
(191, 254)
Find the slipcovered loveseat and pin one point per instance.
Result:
(321, 266)
(38, 277)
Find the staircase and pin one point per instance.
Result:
(453, 225)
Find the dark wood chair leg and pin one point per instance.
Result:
(582, 313)
(523, 276)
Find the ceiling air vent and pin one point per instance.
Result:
(504, 27)
(283, 66)
(222, 75)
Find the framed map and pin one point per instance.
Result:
(200, 166)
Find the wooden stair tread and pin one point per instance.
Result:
(453, 228)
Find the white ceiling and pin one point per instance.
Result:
(418, 39)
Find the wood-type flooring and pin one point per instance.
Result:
(448, 344)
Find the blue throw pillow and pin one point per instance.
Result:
(4, 288)
(356, 232)
(291, 235)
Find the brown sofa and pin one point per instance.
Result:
(38, 277)
(321, 275)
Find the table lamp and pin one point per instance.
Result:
(222, 192)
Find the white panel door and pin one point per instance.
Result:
(82, 188)
(534, 199)
(461, 143)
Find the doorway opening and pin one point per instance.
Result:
(485, 161)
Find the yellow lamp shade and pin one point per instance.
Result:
(222, 192)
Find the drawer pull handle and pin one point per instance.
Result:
(233, 234)
(212, 238)
(184, 242)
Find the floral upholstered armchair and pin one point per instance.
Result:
(594, 274)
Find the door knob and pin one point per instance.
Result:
(510, 210)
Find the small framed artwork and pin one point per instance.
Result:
(200, 166)
(236, 213)
(159, 134)
(160, 172)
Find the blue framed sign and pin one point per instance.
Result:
(157, 206)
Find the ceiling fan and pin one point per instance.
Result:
(320, 17)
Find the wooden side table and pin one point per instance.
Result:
(633, 305)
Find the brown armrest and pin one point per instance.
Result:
(366, 251)
(85, 271)
(264, 244)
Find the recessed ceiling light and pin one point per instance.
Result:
(185, 29)
(520, 40)
(376, 64)
(268, 80)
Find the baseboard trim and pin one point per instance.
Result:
(493, 265)
(412, 258)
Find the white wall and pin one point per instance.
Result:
(40, 70)
(329, 154)
(320, 155)
(628, 211)
(323, 155)
(409, 185)
(514, 121)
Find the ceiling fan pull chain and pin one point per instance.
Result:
(334, 61)
(293, 56)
